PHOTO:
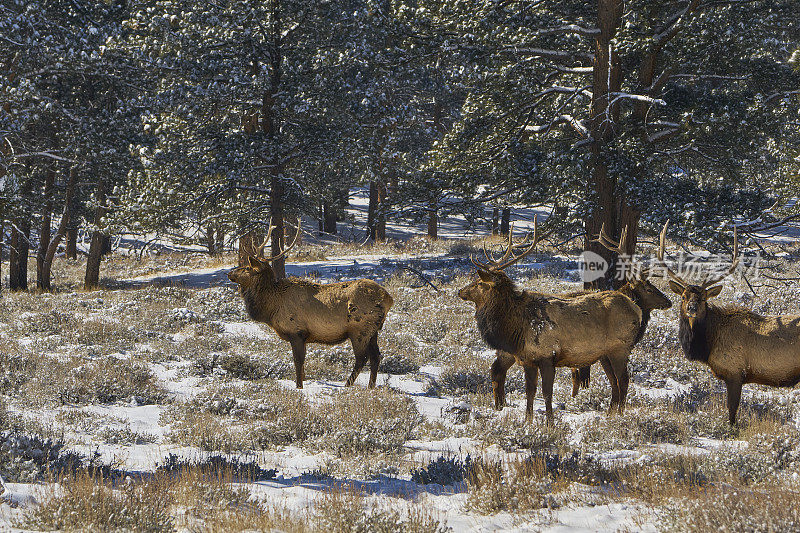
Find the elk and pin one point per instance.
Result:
(638, 288)
(545, 331)
(738, 345)
(303, 312)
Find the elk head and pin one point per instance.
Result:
(258, 267)
(694, 298)
(491, 278)
(648, 295)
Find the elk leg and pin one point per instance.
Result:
(499, 369)
(612, 380)
(548, 370)
(620, 367)
(374, 360)
(361, 351)
(531, 375)
(299, 355)
(734, 388)
(580, 379)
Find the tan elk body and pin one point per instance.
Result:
(303, 312)
(544, 331)
(738, 345)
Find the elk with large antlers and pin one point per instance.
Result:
(303, 312)
(544, 331)
(638, 288)
(738, 345)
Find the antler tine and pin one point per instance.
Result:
(286, 249)
(509, 245)
(734, 263)
(534, 241)
(662, 239)
(608, 242)
(260, 249)
(479, 265)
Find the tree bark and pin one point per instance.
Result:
(50, 253)
(433, 221)
(211, 244)
(18, 259)
(247, 247)
(106, 247)
(92, 277)
(72, 243)
(380, 229)
(607, 78)
(372, 208)
(505, 221)
(270, 126)
(276, 216)
(44, 231)
(329, 217)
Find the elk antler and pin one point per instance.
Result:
(509, 257)
(734, 263)
(709, 282)
(662, 243)
(260, 250)
(608, 242)
(619, 246)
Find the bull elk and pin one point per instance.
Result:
(638, 288)
(545, 331)
(738, 345)
(304, 312)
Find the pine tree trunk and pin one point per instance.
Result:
(270, 126)
(50, 253)
(380, 223)
(92, 277)
(433, 222)
(106, 247)
(18, 260)
(372, 209)
(44, 231)
(607, 78)
(72, 243)
(276, 216)
(211, 244)
(495, 220)
(505, 222)
(247, 247)
(329, 218)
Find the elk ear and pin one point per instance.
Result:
(713, 291)
(486, 276)
(676, 287)
(256, 264)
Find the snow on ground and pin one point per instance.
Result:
(663, 388)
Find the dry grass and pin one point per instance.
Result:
(85, 502)
(734, 509)
(514, 486)
(105, 380)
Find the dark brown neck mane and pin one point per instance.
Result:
(694, 340)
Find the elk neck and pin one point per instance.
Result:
(505, 319)
(637, 299)
(262, 298)
(694, 339)
(500, 319)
